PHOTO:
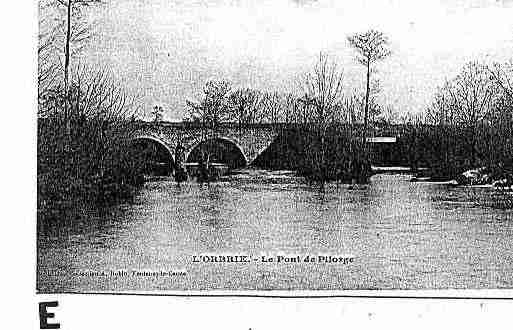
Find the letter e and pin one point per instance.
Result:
(44, 315)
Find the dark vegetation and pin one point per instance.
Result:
(297, 149)
(471, 124)
(468, 126)
(84, 158)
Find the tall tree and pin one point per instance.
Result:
(75, 31)
(71, 6)
(47, 63)
(371, 46)
(323, 91)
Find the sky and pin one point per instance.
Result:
(165, 50)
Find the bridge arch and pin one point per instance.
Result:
(157, 155)
(234, 155)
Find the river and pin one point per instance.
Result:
(397, 234)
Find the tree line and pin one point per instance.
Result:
(321, 94)
(326, 149)
(471, 123)
(84, 117)
(467, 126)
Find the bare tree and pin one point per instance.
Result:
(75, 31)
(80, 163)
(501, 120)
(244, 105)
(502, 77)
(214, 107)
(441, 112)
(48, 68)
(323, 91)
(272, 107)
(210, 112)
(80, 33)
(71, 32)
(471, 94)
(251, 106)
(372, 46)
(292, 108)
(93, 94)
(352, 112)
(461, 122)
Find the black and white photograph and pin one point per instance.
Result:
(274, 146)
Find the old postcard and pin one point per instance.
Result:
(274, 146)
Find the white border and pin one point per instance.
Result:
(18, 23)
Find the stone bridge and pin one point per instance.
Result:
(248, 139)
(245, 141)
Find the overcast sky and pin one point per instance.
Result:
(165, 50)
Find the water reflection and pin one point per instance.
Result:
(402, 234)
